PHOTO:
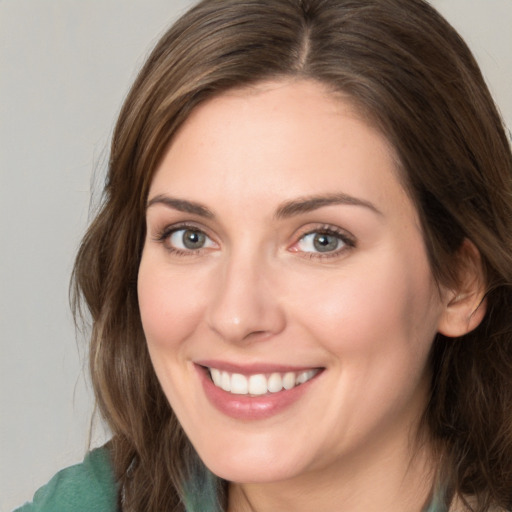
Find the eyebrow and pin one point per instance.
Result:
(311, 203)
(181, 205)
(286, 210)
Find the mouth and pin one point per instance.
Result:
(259, 384)
(255, 391)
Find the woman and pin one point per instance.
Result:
(299, 277)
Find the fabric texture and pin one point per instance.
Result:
(91, 487)
(86, 487)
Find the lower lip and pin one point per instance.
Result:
(245, 407)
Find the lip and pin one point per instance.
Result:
(251, 369)
(245, 407)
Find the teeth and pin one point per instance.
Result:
(305, 376)
(259, 384)
(289, 380)
(275, 383)
(216, 377)
(225, 382)
(239, 384)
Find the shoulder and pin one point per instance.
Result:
(89, 486)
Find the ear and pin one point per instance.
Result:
(465, 303)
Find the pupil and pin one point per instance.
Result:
(325, 243)
(193, 239)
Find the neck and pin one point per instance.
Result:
(384, 479)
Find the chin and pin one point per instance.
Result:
(251, 473)
(252, 467)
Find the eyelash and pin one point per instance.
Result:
(163, 238)
(348, 240)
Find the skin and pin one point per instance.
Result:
(258, 291)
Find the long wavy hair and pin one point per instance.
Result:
(407, 70)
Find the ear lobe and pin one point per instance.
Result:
(465, 304)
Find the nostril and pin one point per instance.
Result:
(258, 335)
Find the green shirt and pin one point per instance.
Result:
(86, 487)
(90, 487)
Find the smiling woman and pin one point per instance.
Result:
(331, 304)
(300, 276)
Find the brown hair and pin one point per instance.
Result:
(406, 68)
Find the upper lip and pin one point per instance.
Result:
(253, 368)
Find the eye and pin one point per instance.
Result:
(319, 242)
(184, 240)
(187, 239)
(326, 242)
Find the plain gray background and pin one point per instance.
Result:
(65, 67)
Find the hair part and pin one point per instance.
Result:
(411, 75)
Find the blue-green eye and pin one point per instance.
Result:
(187, 239)
(321, 242)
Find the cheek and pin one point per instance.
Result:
(170, 306)
(377, 326)
(376, 305)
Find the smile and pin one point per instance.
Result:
(259, 384)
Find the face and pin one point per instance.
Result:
(284, 287)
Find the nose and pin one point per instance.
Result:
(245, 305)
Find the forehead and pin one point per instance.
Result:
(277, 139)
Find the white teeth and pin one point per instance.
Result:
(275, 383)
(239, 384)
(289, 380)
(259, 384)
(216, 377)
(226, 381)
(304, 376)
